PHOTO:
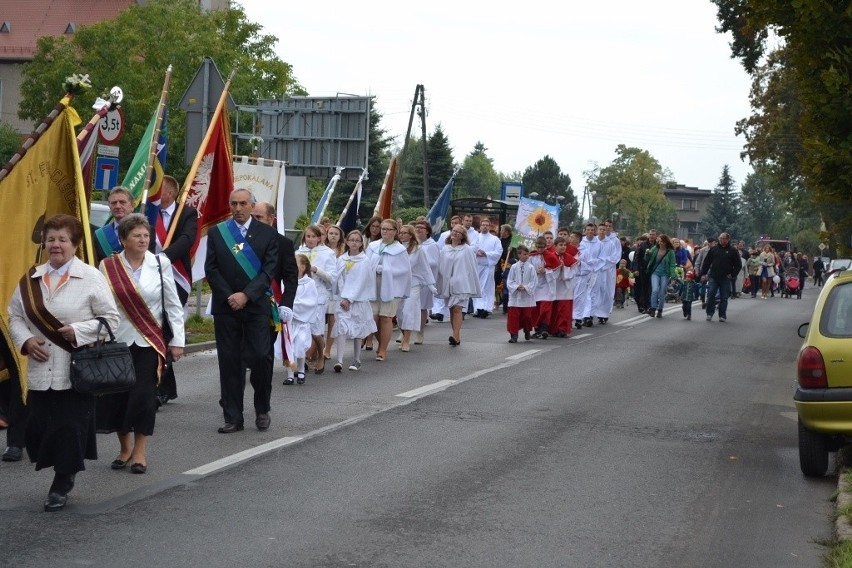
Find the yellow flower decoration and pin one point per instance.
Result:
(540, 220)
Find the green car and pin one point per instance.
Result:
(823, 393)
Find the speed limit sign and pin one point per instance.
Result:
(111, 126)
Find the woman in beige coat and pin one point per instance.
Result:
(52, 311)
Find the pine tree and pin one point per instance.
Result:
(722, 215)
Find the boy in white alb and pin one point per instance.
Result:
(521, 283)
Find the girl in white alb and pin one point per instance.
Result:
(323, 264)
(408, 313)
(355, 288)
(305, 308)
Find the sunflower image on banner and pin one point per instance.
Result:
(534, 219)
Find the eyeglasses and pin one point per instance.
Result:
(388, 229)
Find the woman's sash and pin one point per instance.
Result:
(38, 313)
(127, 294)
(108, 239)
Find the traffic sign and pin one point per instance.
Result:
(111, 127)
(822, 247)
(106, 173)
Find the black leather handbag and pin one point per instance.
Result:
(102, 368)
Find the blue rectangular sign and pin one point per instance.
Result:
(106, 173)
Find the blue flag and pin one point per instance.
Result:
(323, 202)
(349, 219)
(441, 207)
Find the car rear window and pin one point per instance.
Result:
(836, 319)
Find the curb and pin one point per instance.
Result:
(843, 523)
(196, 347)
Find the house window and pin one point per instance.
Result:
(689, 205)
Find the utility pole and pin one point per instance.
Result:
(418, 105)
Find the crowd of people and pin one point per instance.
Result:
(333, 294)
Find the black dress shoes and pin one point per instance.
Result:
(230, 428)
(13, 454)
(55, 502)
(57, 497)
(262, 422)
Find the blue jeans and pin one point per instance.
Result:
(658, 290)
(724, 288)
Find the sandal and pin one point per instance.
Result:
(380, 357)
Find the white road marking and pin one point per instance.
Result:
(794, 416)
(523, 354)
(580, 336)
(427, 388)
(243, 456)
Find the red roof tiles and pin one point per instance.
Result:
(30, 20)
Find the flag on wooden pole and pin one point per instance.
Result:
(209, 184)
(384, 205)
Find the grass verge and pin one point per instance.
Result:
(840, 553)
(199, 329)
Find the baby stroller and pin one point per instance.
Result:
(673, 290)
(790, 283)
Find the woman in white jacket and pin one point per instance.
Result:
(432, 252)
(393, 281)
(457, 280)
(323, 265)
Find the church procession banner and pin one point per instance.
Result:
(46, 182)
(534, 219)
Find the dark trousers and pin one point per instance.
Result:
(724, 288)
(243, 340)
(16, 412)
(687, 308)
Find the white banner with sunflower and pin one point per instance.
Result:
(534, 219)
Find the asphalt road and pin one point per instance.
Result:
(643, 443)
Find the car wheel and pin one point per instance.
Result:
(813, 452)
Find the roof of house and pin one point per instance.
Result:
(20, 29)
(683, 190)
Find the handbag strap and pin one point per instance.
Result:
(103, 323)
(162, 289)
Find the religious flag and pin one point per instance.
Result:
(45, 182)
(326, 196)
(534, 218)
(384, 205)
(441, 207)
(348, 220)
(87, 163)
(211, 185)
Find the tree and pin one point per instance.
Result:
(477, 177)
(761, 213)
(135, 49)
(632, 186)
(10, 142)
(722, 212)
(809, 138)
(441, 166)
(545, 178)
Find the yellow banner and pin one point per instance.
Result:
(47, 181)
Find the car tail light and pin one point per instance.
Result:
(812, 369)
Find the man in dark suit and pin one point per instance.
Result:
(287, 276)
(288, 273)
(242, 260)
(178, 253)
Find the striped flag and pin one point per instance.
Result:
(384, 205)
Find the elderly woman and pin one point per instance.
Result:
(140, 292)
(457, 280)
(52, 311)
